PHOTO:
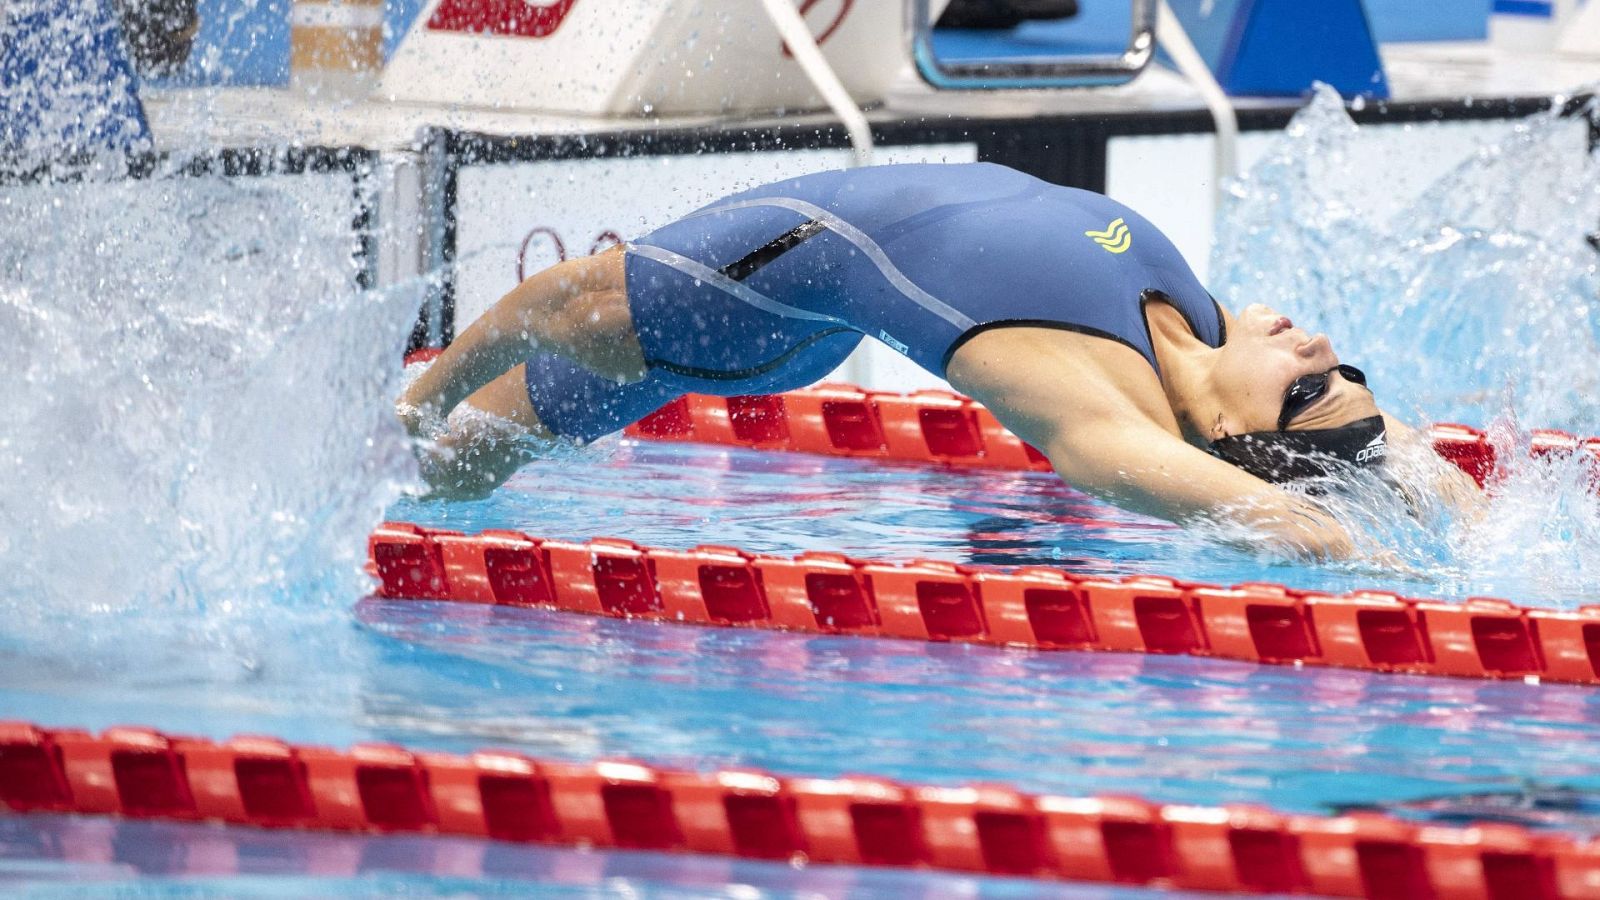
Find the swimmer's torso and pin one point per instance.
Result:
(922, 257)
(770, 290)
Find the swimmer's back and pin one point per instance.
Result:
(926, 256)
(891, 201)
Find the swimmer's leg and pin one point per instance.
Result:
(578, 308)
(548, 397)
(483, 442)
(575, 404)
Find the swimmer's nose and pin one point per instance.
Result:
(1319, 349)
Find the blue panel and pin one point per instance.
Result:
(1435, 20)
(66, 81)
(1538, 9)
(1277, 48)
(398, 17)
(239, 44)
(1283, 50)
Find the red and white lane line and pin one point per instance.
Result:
(859, 820)
(1039, 607)
(942, 427)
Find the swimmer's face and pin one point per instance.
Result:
(1265, 353)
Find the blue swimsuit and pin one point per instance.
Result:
(769, 290)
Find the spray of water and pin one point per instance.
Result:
(198, 432)
(1468, 299)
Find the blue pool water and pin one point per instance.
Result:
(456, 677)
(62, 856)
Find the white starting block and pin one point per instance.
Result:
(1580, 36)
(638, 57)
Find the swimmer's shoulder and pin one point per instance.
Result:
(1052, 371)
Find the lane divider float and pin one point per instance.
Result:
(1039, 607)
(140, 773)
(947, 428)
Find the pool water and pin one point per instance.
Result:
(661, 494)
(67, 856)
(461, 677)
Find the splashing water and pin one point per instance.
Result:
(1482, 283)
(199, 434)
(1471, 302)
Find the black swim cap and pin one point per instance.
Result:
(1279, 456)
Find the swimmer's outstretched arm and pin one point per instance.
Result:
(1125, 457)
(1146, 469)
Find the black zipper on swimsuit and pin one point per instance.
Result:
(771, 250)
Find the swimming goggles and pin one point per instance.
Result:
(1283, 456)
(1308, 389)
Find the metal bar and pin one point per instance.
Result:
(1031, 72)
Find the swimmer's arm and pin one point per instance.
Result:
(1455, 487)
(1099, 443)
(498, 341)
(1143, 468)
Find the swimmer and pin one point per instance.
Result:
(1072, 318)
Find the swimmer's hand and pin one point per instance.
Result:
(410, 417)
(415, 413)
(1390, 564)
(1287, 526)
(468, 456)
(1411, 449)
(419, 421)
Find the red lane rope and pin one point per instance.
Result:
(942, 427)
(379, 788)
(1039, 607)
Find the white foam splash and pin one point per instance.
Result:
(1470, 300)
(1447, 297)
(198, 433)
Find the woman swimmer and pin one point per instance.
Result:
(1069, 316)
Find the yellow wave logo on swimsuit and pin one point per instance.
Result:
(1115, 239)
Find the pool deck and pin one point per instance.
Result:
(1448, 73)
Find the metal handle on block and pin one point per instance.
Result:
(1031, 72)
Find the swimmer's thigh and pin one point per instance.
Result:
(711, 333)
(572, 402)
